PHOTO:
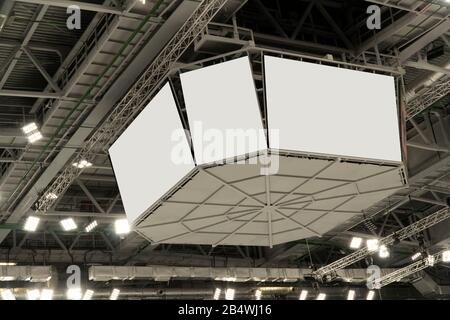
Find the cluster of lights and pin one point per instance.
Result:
(51, 196)
(416, 256)
(7, 294)
(31, 224)
(303, 295)
(82, 164)
(373, 245)
(32, 132)
(217, 293)
(121, 226)
(91, 226)
(351, 295)
(229, 294)
(68, 224)
(114, 294)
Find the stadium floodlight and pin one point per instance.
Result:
(51, 195)
(229, 294)
(446, 256)
(7, 294)
(122, 226)
(321, 296)
(32, 132)
(34, 137)
(31, 224)
(356, 243)
(372, 245)
(258, 294)
(88, 294)
(351, 295)
(416, 256)
(68, 224)
(370, 295)
(73, 293)
(431, 260)
(33, 294)
(91, 226)
(82, 164)
(383, 252)
(303, 295)
(217, 293)
(47, 294)
(114, 294)
(29, 128)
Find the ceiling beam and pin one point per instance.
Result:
(437, 31)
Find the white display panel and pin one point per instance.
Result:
(146, 157)
(223, 111)
(330, 110)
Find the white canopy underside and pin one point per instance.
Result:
(233, 204)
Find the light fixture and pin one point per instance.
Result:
(82, 164)
(31, 224)
(91, 226)
(217, 294)
(29, 128)
(229, 294)
(33, 294)
(7, 294)
(370, 295)
(34, 137)
(114, 294)
(416, 256)
(47, 294)
(122, 226)
(372, 245)
(351, 295)
(51, 195)
(430, 260)
(88, 294)
(7, 264)
(383, 252)
(32, 132)
(356, 243)
(258, 294)
(73, 294)
(446, 256)
(321, 296)
(303, 295)
(68, 224)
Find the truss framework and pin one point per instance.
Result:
(408, 270)
(400, 235)
(134, 100)
(439, 90)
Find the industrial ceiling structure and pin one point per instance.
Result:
(83, 86)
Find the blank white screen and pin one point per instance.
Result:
(142, 155)
(330, 110)
(222, 97)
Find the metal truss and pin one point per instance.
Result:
(439, 90)
(399, 274)
(400, 235)
(134, 101)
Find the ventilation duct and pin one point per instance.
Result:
(25, 273)
(165, 273)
